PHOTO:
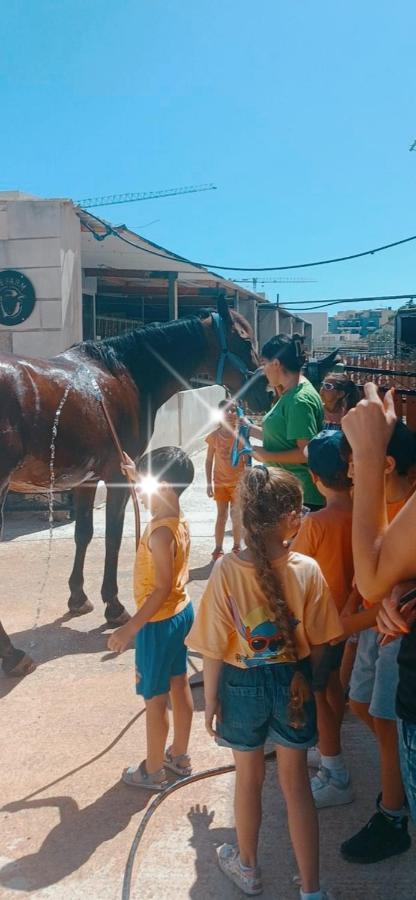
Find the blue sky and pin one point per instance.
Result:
(301, 112)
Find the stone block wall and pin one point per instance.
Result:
(41, 240)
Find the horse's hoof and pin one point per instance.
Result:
(82, 610)
(24, 666)
(116, 621)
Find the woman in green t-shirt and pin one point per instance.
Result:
(295, 419)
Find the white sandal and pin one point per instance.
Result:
(180, 765)
(138, 776)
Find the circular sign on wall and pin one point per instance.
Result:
(17, 297)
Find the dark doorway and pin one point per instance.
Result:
(88, 317)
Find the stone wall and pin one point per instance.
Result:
(41, 239)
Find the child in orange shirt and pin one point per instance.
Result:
(222, 477)
(163, 618)
(260, 620)
(326, 535)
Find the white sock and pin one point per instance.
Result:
(311, 895)
(336, 766)
(393, 813)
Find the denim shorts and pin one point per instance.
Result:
(254, 707)
(407, 747)
(375, 675)
(161, 653)
(329, 662)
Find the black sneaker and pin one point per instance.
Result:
(383, 836)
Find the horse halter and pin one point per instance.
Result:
(226, 354)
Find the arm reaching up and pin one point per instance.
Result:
(383, 555)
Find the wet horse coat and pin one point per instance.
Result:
(135, 373)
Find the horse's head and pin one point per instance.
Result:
(316, 369)
(237, 365)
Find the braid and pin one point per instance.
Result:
(271, 586)
(265, 498)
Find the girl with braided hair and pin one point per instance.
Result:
(264, 616)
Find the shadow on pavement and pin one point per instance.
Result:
(74, 839)
(201, 573)
(204, 841)
(17, 524)
(52, 642)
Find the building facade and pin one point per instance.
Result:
(66, 275)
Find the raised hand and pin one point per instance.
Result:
(369, 426)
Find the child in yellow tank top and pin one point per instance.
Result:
(164, 616)
(144, 568)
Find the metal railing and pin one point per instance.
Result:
(110, 326)
(388, 372)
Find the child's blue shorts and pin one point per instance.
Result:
(254, 707)
(375, 675)
(161, 653)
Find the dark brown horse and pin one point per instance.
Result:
(135, 373)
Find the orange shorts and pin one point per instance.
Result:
(224, 493)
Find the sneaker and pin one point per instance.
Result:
(314, 757)
(247, 879)
(380, 838)
(217, 553)
(327, 791)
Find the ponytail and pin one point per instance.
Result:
(289, 351)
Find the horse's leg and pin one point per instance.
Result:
(117, 497)
(78, 602)
(14, 662)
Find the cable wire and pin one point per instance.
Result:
(302, 303)
(306, 265)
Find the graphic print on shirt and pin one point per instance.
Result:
(262, 637)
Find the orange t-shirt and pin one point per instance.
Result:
(395, 506)
(235, 623)
(144, 569)
(326, 535)
(221, 441)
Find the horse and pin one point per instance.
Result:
(52, 425)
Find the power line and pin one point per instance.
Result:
(300, 305)
(201, 265)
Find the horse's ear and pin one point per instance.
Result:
(224, 310)
(203, 312)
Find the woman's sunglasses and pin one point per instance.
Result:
(330, 386)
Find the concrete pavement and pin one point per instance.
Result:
(67, 822)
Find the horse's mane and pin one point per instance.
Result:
(180, 343)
